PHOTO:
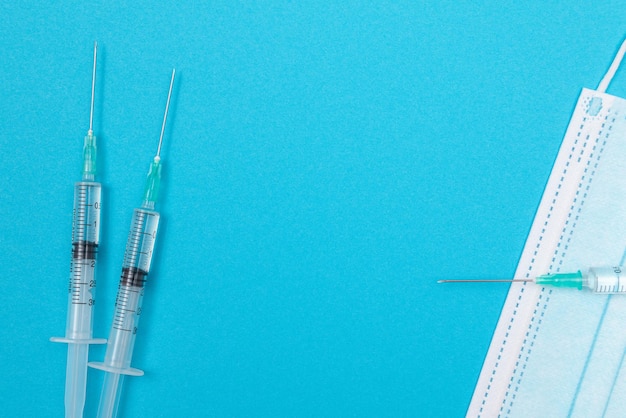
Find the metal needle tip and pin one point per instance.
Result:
(167, 106)
(93, 86)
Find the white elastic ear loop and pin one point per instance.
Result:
(612, 69)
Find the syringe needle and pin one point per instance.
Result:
(93, 86)
(153, 181)
(89, 147)
(605, 280)
(167, 107)
(484, 281)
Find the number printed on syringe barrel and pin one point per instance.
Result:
(135, 269)
(85, 239)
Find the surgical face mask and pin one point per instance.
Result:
(561, 352)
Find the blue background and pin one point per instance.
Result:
(325, 164)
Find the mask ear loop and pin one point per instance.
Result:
(612, 69)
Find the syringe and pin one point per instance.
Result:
(607, 280)
(128, 304)
(82, 283)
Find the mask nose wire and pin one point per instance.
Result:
(606, 80)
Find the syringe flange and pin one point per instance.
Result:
(129, 371)
(78, 341)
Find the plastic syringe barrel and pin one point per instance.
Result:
(82, 281)
(85, 240)
(609, 280)
(135, 269)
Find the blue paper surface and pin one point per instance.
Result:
(324, 165)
